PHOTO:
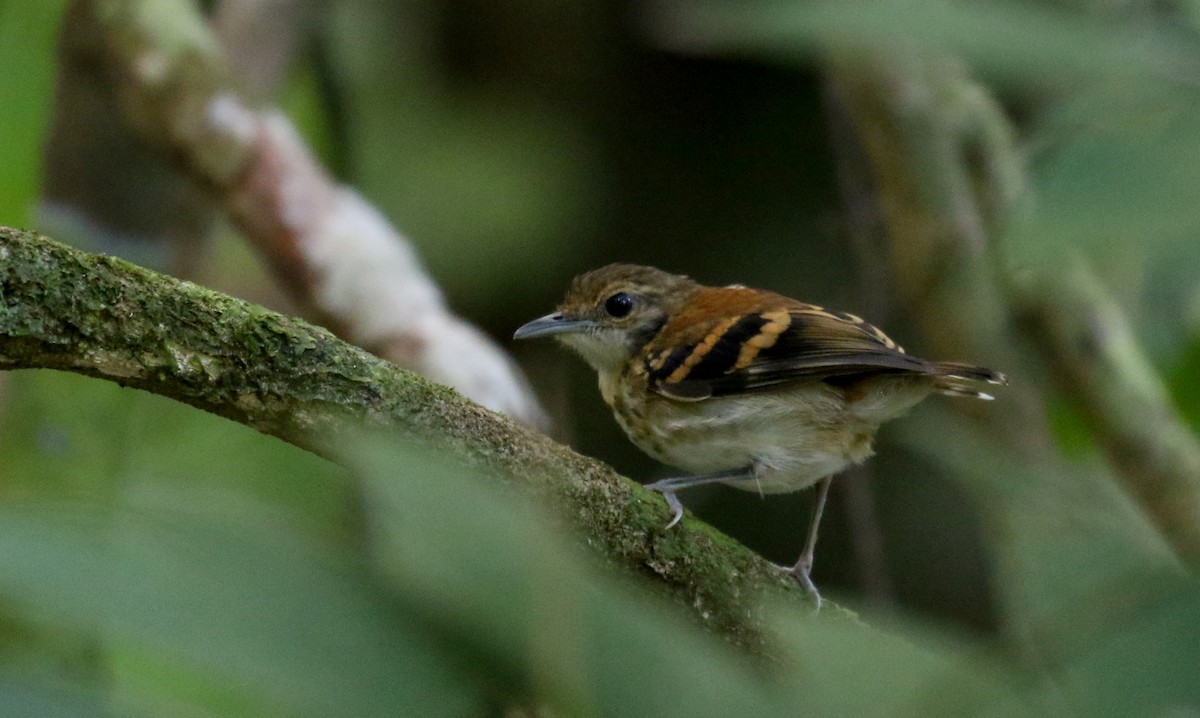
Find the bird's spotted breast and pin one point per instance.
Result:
(626, 396)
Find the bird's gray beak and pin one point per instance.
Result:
(551, 324)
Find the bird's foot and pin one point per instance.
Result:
(801, 572)
(673, 502)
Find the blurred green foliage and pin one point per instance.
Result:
(27, 56)
(156, 561)
(200, 595)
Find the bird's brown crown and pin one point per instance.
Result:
(623, 306)
(589, 292)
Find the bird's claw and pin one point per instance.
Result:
(673, 503)
(800, 572)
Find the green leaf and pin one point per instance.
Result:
(26, 693)
(488, 572)
(1097, 601)
(1023, 43)
(27, 37)
(1184, 383)
(66, 435)
(915, 670)
(249, 610)
(491, 574)
(1144, 661)
(1114, 179)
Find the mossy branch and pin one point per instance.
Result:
(61, 308)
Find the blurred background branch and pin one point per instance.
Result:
(950, 172)
(950, 178)
(336, 254)
(263, 40)
(1099, 365)
(945, 168)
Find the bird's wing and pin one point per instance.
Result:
(765, 344)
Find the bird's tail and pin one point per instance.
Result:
(957, 379)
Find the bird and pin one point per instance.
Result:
(742, 386)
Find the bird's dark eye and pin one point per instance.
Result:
(618, 305)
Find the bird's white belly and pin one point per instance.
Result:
(792, 439)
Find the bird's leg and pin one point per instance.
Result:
(668, 487)
(803, 567)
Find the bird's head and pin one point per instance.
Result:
(610, 313)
